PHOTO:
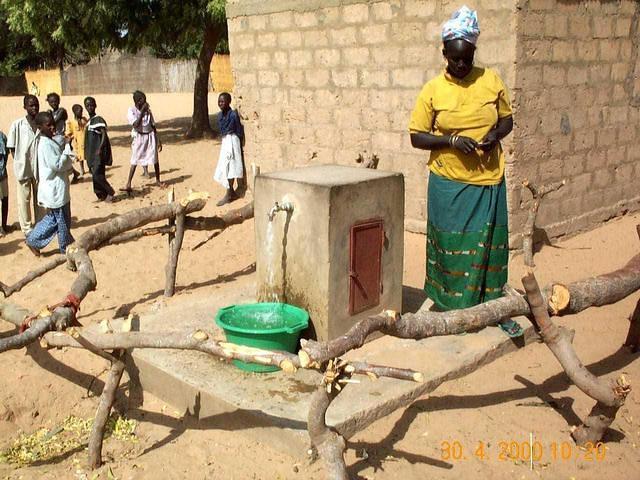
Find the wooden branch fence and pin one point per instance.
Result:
(57, 326)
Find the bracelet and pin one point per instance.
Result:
(452, 140)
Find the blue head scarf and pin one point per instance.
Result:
(463, 24)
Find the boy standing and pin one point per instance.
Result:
(53, 189)
(21, 142)
(97, 151)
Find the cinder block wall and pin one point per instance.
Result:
(326, 80)
(322, 81)
(577, 96)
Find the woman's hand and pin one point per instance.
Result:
(489, 141)
(465, 144)
(159, 145)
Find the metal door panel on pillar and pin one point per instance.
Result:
(365, 265)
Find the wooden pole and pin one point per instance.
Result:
(329, 444)
(174, 242)
(107, 400)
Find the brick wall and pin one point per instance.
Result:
(323, 81)
(326, 80)
(576, 114)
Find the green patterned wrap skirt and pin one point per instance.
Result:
(467, 242)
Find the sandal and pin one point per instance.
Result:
(511, 328)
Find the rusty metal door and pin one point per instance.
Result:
(365, 265)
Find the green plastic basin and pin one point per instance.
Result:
(270, 326)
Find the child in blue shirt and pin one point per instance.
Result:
(54, 166)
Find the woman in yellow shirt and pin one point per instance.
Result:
(75, 131)
(461, 116)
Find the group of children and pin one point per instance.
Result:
(45, 144)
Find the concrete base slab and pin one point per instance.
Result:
(273, 407)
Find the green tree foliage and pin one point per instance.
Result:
(16, 51)
(175, 29)
(64, 30)
(70, 31)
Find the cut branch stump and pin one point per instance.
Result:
(529, 226)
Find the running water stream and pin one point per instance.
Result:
(272, 291)
(276, 290)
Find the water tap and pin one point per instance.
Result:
(279, 207)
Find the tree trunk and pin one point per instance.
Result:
(200, 125)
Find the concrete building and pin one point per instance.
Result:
(324, 81)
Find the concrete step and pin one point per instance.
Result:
(272, 407)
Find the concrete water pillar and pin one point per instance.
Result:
(333, 245)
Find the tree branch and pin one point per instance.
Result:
(219, 223)
(113, 231)
(8, 290)
(139, 233)
(597, 291)
(202, 342)
(529, 225)
(104, 409)
(610, 396)
(175, 244)
(329, 444)
(32, 334)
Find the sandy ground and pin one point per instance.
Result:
(520, 395)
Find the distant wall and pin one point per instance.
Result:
(45, 81)
(121, 74)
(13, 86)
(126, 73)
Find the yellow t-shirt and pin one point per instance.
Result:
(471, 107)
(75, 130)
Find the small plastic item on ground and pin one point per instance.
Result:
(267, 326)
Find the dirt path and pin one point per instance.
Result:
(520, 395)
